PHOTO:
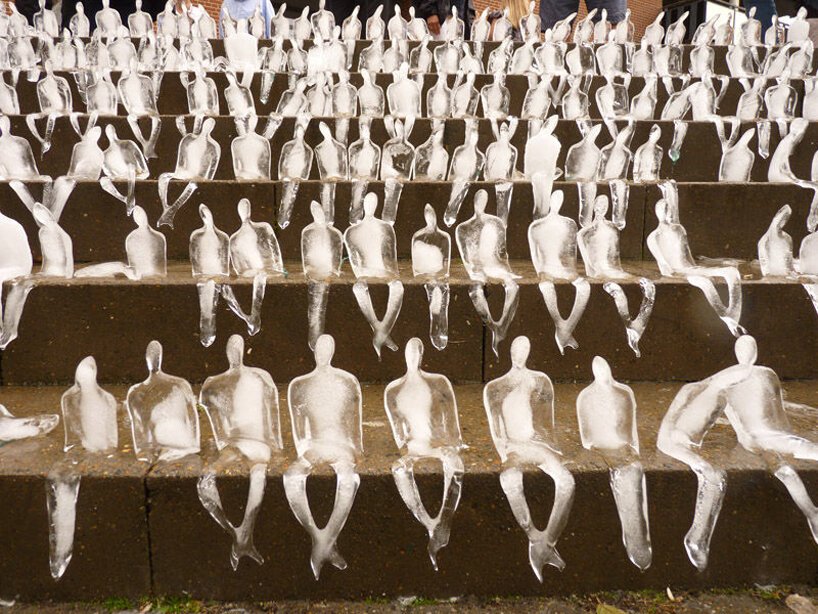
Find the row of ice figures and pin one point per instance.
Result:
(325, 408)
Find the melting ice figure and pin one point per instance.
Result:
(322, 249)
(431, 256)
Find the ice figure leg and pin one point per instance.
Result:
(679, 133)
(620, 196)
(45, 138)
(253, 321)
(587, 195)
(169, 211)
(328, 200)
(542, 544)
(356, 205)
(795, 486)
(381, 328)
(634, 327)
(730, 314)
(812, 292)
(62, 489)
(12, 308)
(243, 544)
(460, 188)
(712, 485)
(209, 292)
(24, 193)
(60, 193)
(318, 296)
(437, 293)
(148, 144)
(630, 493)
(285, 207)
(499, 328)
(564, 328)
(503, 191)
(392, 189)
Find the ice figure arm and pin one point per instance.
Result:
(396, 421)
(358, 431)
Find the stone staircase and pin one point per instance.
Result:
(142, 530)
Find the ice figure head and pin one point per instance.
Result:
(520, 350)
(746, 350)
(324, 350)
(153, 357)
(601, 370)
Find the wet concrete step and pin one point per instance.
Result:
(66, 320)
(723, 220)
(142, 530)
(172, 99)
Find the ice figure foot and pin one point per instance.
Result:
(318, 296)
(12, 429)
(629, 490)
(540, 554)
(812, 292)
(698, 553)
(285, 207)
(356, 205)
(499, 328)
(730, 314)
(61, 499)
(381, 328)
(253, 320)
(564, 327)
(208, 300)
(392, 189)
(323, 553)
(503, 191)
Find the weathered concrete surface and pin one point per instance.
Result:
(761, 537)
(682, 326)
(111, 540)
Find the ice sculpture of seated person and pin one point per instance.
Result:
(326, 414)
(520, 410)
(372, 249)
(242, 407)
(162, 409)
(422, 410)
(669, 246)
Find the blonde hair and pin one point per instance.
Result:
(517, 9)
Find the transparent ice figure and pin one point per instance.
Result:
(612, 98)
(240, 48)
(242, 408)
(431, 256)
(737, 158)
(397, 160)
(322, 249)
(447, 58)
(9, 101)
(254, 247)
(606, 411)
(139, 22)
(403, 94)
(530, 25)
(540, 158)
(333, 166)
(123, 161)
(575, 103)
(416, 29)
(669, 246)
(501, 165)
(14, 429)
(318, 97)
(422, 411)
(79, 24)
(702, 58)
(46, 22)
(580, 60)
(537, 99)
(375, 27)
(799, 64)
(431, 158)
(641, 62)
(371, 57)
(162, 409)
(251, 151)
(372, 249)
(775, 247)
(520, 410)
(121, 52)
(467, 164)
(202, 95)
(610, 58)
(495, 98)
(647, 161)
(370, 97)
(780, 100)
(481, 241)
(108, 20)
(420, 58)
(54, 97)
(615, 158)
(779, 168)
(55, 245)
(293, 167)
(364, 164)
(522, 60)
(146, 251)
(552, 240)
(740, 61)
(197, 159)
(464, 97)
(89, 412)
(350, 32)
(582, 164)
(326, 414)
(137, 95)
(502, 27)
(395, 55)
(624, 30)
(667, 60)
(599, 246)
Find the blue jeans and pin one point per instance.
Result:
(551, 11)
(765, 9)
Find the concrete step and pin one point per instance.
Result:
(141, 530)
(699, 162)
(723, 220)
(66, 320)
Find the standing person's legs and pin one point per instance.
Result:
(616, 9)
(765, 9)
(551, 11)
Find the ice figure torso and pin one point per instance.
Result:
(16, 156)
(431, 248)
(372, 249)
(599, 245)
(322, 247)
(672, 251)
(553, 243)
(136, 94)
(606, 414)
(482, 244)
(756, 407)
(15, 257)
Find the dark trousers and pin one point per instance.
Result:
(552, 11)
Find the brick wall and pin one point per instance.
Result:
(642, 11)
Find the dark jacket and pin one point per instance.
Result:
(426, 8)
